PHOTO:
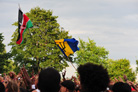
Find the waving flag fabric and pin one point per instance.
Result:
(67, 46)
(23, 24)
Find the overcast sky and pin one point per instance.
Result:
(112, 24)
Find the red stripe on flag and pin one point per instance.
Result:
(22, 28)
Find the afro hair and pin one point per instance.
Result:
(93, 78)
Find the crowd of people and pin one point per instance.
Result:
(91, 78)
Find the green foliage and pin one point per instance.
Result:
(2, 46)
(137, 66)
(3, 56)
(9, 67)
(39, 49)
(89, 52)
(120, 68)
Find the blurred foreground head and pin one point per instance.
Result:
(93, 78)
(2, 87)
(121, 87)
(49, 80)
(67, 86)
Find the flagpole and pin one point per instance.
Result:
(71, 63)
(63, 48)
(19, 6)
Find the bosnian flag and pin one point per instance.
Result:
(23, 24)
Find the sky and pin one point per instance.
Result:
(112, 24)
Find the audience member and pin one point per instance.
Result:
(2, 87)
(67, 86)
(93, 78)
(121, 87)
(12, 86)
(12, 75)
(49, 80)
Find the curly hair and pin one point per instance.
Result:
(93, 78)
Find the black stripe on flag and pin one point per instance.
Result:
(20, 19)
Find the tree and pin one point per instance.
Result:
(120, 68)
(39, 49)
(89, 52)
(9, 66)
(3, 56)
(137, 66)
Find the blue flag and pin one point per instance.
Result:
(67, 46)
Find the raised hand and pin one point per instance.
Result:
(120, 79)
(125, 78)
(63, 75)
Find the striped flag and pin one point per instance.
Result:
(67, 46)
(23, 24)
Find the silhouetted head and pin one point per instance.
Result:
(68, 85)
(93, 78)
(49, 80)
(121, 87)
